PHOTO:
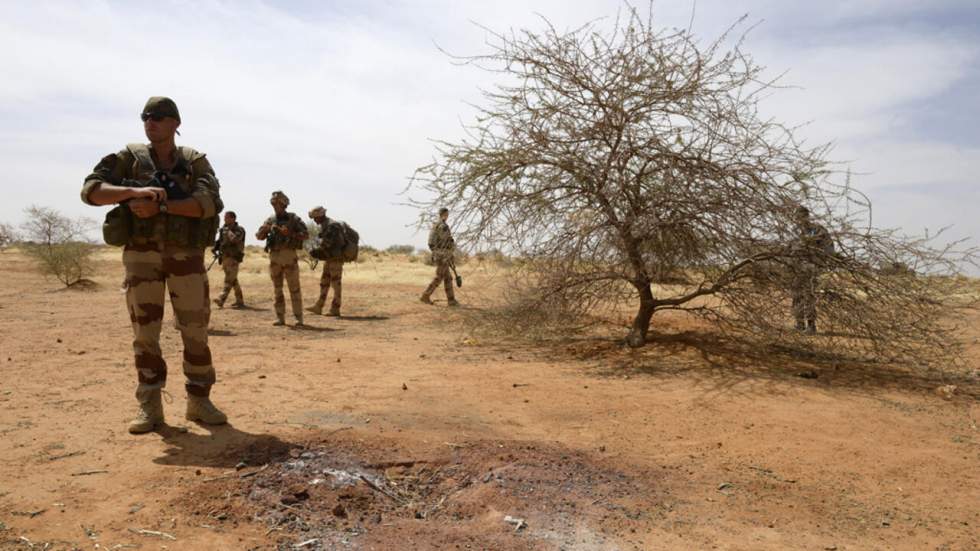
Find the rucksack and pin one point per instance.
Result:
(351, 239)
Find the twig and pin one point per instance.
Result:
(379, 489)
(66, 455)
(86, 473)
(142, 532)
(306, 543)
(233, 474)
(389, 464)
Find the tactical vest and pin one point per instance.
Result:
(162, 228)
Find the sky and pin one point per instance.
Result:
(337, 102)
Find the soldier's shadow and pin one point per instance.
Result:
(224, 447)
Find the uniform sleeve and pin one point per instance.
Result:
(240, 236)
(111, 169)
(205, 189)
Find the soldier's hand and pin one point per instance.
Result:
(144, 208)
(156, 194)
(283, 230)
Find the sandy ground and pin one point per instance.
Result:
(395, 428)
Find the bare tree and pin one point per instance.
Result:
(629, 164)
(7, 235)
(59, 244)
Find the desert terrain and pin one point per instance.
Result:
(401, 426)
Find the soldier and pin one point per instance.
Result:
(168, 215)
(814, 246)
(331, 250)
(284, 233)
(442, 246)
(231, 251)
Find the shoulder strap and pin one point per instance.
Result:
(142, 154)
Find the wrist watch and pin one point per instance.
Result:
(163, 207)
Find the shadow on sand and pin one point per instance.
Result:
(224, 447)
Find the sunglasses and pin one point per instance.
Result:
(151, 116)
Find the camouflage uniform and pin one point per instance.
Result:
(332, 246)
(232, 247)
(283, 262)
(814, 241)
(442, 245)
(166, 252)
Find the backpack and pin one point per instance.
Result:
(351, 239)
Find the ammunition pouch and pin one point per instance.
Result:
(118, 226)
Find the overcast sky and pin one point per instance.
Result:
(335, 102)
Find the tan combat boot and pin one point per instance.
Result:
(425, 299)
(334, 311)
(452, 302)
(200, 408)
(316, 308)
(150, 414)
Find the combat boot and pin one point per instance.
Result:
(201, 409)
(453, 303)
(334, 311)
(219, 303)
(279, 321)
(425, 299)
(150, 414)
(238, 305)
(316, 308)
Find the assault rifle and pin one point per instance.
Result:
(216, 253)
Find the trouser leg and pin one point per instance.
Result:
(145, 284)
(276, 272)
(291, 271)
(335, 279)
(188, 285)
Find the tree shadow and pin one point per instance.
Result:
(720, 363)
(224, 447)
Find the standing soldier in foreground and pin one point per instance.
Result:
(815, 246)
(231, 251)
(331, 251)
(442, 246)
(167, 216)
(284, 233)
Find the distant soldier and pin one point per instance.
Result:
(167, 216)
(814, 247)
(331, 251)
(231, 250)
(284, 233)
(442, 245)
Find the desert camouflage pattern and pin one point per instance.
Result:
(151, 270)
(297, 232)
(441, 244)
(805, 276)
(284, 265)
(331, 279)
(232, 246)
(165, 261)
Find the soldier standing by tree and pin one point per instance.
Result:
(168, 216)
(331, 251)
(284, 233)
(442, 245)
(814, 245)
(231, 250)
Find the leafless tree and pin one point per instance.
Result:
(58, 243)
(629, 164)
(7, 235)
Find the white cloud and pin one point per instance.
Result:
(336, 107)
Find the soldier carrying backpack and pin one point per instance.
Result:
(338, 243)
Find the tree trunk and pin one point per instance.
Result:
(641, 323)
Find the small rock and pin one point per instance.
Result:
(602, 448)
(59, 340)
(338, 360)
(261, 376)
(726, 487)
(420, 515)
(339, 511)
(519, 523)
(404, 386)
(307, 455)
(946, 392)
(811, 374)
(240, 465)
(135, 508)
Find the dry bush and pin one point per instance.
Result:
(626, 164)
(401, 249)
(59, 245)
(7, 235)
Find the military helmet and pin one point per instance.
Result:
(280, 198)
(161, 107)
(317, 212)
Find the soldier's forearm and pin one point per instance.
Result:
(190, 208)
(110, 194)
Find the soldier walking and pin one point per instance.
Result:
(231, 249)
(331, 251)
(169, 201)
(284, 233)
(813, 249)
(442, 245)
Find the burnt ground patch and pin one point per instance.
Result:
(382, 494)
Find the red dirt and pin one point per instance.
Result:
(691, 443)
